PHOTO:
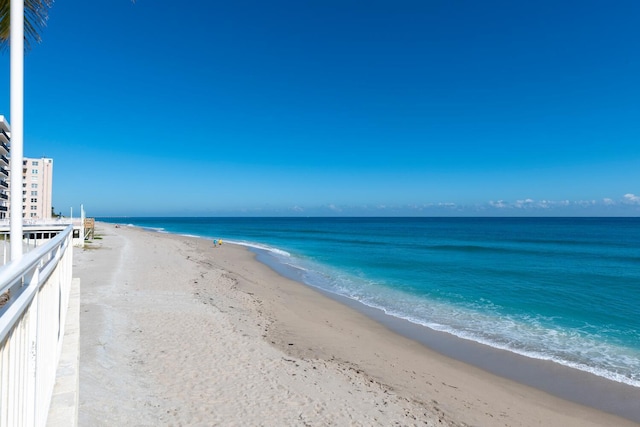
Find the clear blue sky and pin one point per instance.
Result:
(337, 107)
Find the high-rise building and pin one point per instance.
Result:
(37, 180)
(37, 177)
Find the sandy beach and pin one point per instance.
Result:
(177, 332)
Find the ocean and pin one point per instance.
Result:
(559, 289)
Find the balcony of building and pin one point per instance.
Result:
(4, 139)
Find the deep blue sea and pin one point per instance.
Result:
(561, 289)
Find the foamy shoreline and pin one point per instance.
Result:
(277, 352)
(563, 381)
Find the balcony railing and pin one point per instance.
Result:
(34, 295)
(4, 138)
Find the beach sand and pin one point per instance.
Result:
(176, 332)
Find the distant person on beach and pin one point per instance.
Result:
(215, 243)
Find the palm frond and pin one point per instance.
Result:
(36, 13)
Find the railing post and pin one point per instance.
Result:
(32, 368)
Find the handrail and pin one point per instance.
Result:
(16, 271)
(32, 324)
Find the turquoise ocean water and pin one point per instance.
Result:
(561, 289)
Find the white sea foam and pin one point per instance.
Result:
(528, 339)
(192, 235)
(262, 247)
(156, 229)
(524, 336)
(297, 267)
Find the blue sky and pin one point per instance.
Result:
(345, 107)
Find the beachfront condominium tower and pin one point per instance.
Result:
(37, 177)
(37, 180)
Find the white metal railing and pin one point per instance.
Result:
(36, 290)
(36, 233)
(30, 241)
(52, 221)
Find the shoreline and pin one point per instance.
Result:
(547, 376)
(265, 337)
(562, 381)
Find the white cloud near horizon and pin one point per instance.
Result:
(627, 199)
(629, 204)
